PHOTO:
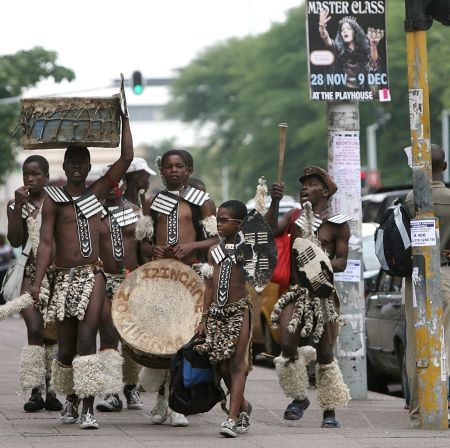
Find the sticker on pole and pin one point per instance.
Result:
(423, 233)
(352, 272)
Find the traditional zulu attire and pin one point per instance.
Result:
(224, 320)
(36, 361)
(118, 369)
(72, 291)
(167, 203)
(315, 307)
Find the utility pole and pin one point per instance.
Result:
(445, 140)
(427, 294)
(345, 166)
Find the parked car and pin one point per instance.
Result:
(375, 204)
(371, 265)
(386, 334)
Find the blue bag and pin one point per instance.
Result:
(193, 376)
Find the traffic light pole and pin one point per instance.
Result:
(427, 295)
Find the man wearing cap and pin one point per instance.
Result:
(309, 312)
(137, 178)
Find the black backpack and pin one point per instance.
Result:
(393, 240)
(194, 385)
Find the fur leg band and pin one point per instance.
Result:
(152, 379)
(293, 374)
(62, 378)
(88, 376)
(32, 367)
(112, 361)
(130, 369)
(332, 392)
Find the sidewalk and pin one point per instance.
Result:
(380, 421)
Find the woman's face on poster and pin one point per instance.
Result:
(347, 33)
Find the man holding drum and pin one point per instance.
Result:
(119, 251)
(184, 229)
(71, 221)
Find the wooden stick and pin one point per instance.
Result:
(283, 131)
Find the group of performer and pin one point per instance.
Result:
(82, 241)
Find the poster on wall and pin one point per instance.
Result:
(347, 57)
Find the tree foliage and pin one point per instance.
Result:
(18, 71)
(244, 87)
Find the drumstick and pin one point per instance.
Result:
(283, 131)
(122, 94)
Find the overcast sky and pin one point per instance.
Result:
(98, 39)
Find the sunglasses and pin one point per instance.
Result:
(226, 220)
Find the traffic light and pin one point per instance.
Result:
(421, 13)
(138, 84)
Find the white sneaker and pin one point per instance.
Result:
(111, 403)
(176, 419)
(134, 400)
(159, 414)
(228, 429)
(87, 421)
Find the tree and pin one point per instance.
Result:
(18, 71)
(244, 87)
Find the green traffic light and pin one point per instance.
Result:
(138, 89)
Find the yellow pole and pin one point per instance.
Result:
(427, 296)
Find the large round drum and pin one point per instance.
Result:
(156, 310)
(60, 122)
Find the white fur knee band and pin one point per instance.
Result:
(62, 378)
(144, 228)
(332, 392)
(112, 361)
(88, 376)
(32, 367)
(152, 379)
(130, 369)
(210, 226)
(293, 375)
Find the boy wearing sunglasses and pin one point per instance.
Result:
(227, 318)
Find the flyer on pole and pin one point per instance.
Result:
(347, 56)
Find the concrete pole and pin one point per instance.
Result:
(345, 166)
(445, 140)
(371, 133)
(427, 294)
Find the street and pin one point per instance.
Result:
(380, 421)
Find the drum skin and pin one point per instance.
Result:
(58, 122)
(156, 310)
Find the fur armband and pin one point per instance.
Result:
(210, 226)
(204, 270)
(144, 228)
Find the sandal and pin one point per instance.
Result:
(330, 422)
(294, 410)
